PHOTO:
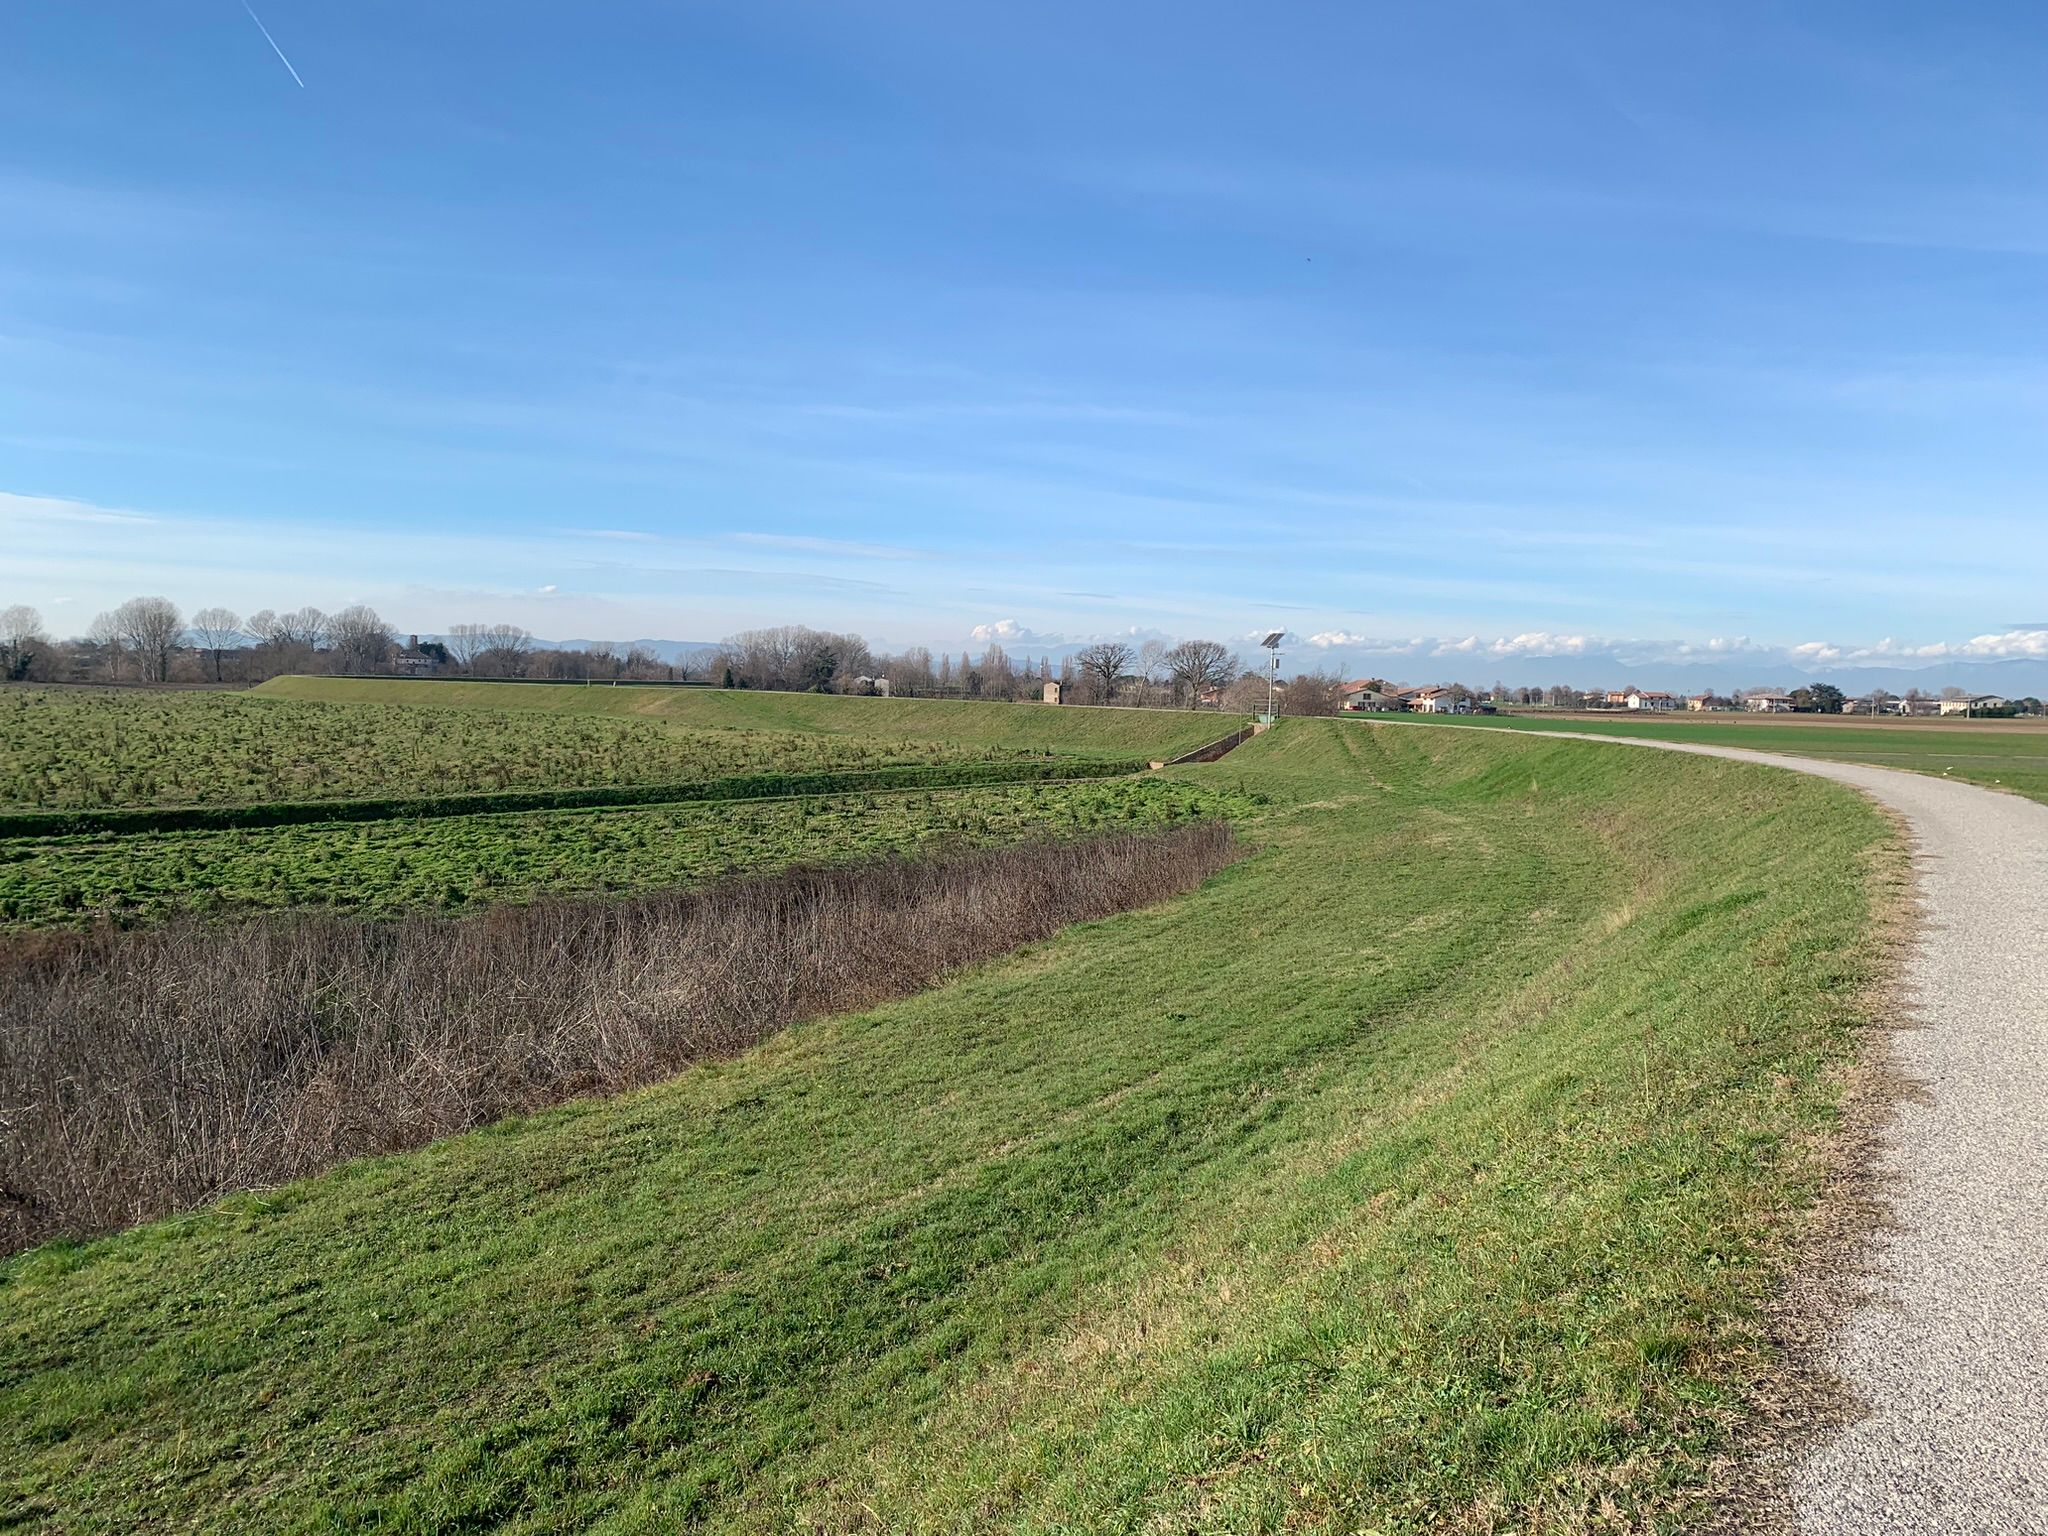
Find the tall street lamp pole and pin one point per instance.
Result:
(1272, 646)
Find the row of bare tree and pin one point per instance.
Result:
(148, 640)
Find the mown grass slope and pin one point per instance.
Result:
(2000, 754)
(957, 722)
(1422, 1172)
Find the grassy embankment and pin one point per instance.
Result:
(2001, 754)
(1422, 1172)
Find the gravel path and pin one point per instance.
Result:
(1949, 1351)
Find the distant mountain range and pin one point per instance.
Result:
(2014, 678)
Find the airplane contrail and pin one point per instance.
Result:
(287, 63)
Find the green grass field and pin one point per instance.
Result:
(1423, 1172)
(301, 742)
(2002, 755)
(958, 724)
(381, 868)
(71, 748)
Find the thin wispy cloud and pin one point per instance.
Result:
(846, 549)
(57, 509)
(287, 63)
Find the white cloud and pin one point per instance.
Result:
(1010, 632)
(57, 509)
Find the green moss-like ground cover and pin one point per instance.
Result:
(958, 723)
(1423, 1172)
(71, 748)
(457, 863)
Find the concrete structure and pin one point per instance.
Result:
(1972, 705)
(1052, 691)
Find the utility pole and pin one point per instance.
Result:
(1272, 646)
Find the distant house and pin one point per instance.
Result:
(1437, 701)
(416, 660)
(1052, 690)
(1708, 701)
(872, 687)
(1975, 704)
(1616, 698)
(1769, 703)
(1361, 695)
(1638, 699)
(1913, 706)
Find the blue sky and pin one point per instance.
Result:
(1586, 330)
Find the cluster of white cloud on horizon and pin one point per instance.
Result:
(2029, 644)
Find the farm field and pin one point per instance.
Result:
(117, 755)
(448, 864)
(2008, 755)
(1427, 1169)
(957, 724)
(80, 748)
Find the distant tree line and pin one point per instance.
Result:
(148, 640)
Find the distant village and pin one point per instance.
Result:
(1377, 696)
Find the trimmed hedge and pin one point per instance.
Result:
(751, 786)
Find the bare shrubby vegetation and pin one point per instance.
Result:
(147, 1072)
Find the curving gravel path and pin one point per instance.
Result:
(1948, 1350)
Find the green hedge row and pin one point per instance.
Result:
(752, 786)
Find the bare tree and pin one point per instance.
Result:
(22, 641)
(1196, 666)
(361, 639)
(218, 630)
(998, 680)
(1315, 693)
(104, 636)
(150, 627)
(1245, 694)
(1103, 663)
(911, 673)
(466, 642)
(506, 647)
(302, 626)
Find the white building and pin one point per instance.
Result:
(1974, 705)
